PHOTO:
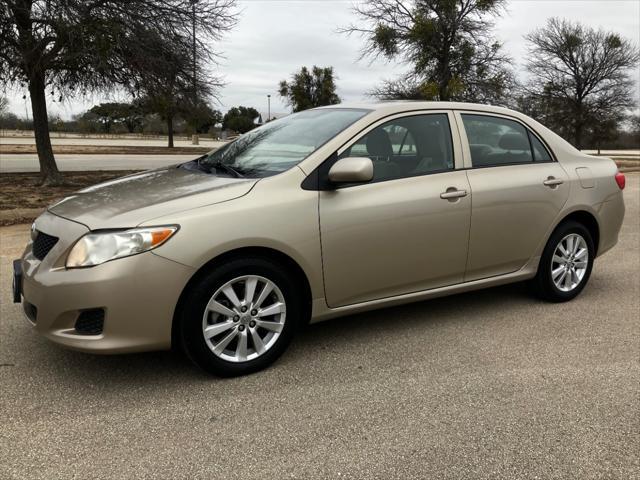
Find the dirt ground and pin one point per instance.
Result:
(22, 199)
(7, 149)
(628, 165)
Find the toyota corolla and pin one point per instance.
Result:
(323, 213)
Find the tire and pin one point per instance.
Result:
(207, 306)
(553, 261)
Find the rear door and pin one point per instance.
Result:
(518, 190)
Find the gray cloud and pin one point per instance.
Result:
(274, 38)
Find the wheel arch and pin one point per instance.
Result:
(587, 219)
(263, 252)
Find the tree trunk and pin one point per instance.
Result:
(578, 135)
(443, 93)
(170, 130)
(48, 169)
(579, 125)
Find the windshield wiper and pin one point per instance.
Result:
(228, 169)
(221, 166)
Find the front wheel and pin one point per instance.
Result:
(240, 317)
(566, 263)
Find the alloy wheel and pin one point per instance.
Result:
(244, 318)
(569, 262)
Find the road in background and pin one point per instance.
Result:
(490, 384)
(20, 162)
(71, 162)
(133, 141)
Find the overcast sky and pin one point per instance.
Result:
(274, 38)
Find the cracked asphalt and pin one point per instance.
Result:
(490, 384)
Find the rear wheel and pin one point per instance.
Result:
(566, 263)
(240, 317)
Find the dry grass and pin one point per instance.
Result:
(22, 199)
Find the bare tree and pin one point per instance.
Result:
(171, 83)
(4, 105)
(580, 78)
(79, 46)
(448, 44)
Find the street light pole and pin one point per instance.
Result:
(194, 139)
(268, 107)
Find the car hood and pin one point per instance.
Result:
(128, 201)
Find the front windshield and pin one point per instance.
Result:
(281, 144)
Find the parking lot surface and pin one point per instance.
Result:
(490, 384)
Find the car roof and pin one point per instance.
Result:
(396, 106)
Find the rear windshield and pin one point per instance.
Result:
(281, 144)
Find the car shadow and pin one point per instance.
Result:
(443, 310)
(162, 368)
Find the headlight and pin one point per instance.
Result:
(99, 247)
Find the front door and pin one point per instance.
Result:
(405, 231)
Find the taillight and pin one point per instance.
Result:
(620, 180)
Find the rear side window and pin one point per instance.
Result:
(540, 153)
(495, 141)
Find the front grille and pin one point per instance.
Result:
(90, 322)
(30, 310)
(43, 244)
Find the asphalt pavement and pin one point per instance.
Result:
(490, 384)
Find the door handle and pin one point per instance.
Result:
(453, 192)
(553, 182)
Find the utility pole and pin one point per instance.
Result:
(26, 107)
(268, 108)
(194, 139)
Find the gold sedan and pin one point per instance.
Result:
(323, 213)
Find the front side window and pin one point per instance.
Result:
(279, 145)
(407, 147)
(495, 141)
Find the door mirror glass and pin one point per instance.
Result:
(351, 170)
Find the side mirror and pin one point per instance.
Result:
(351, 170)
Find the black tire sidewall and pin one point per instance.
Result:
(545, 284)
(195, 303)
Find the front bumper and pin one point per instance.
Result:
(138, 295)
